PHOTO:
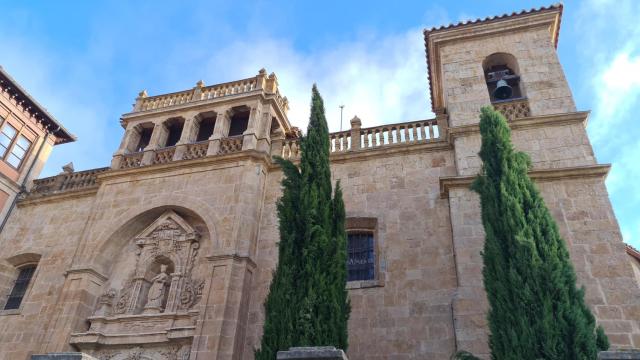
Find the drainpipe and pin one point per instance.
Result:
(23, 187)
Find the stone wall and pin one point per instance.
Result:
(407, 312)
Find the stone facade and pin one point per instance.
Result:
(168, 254)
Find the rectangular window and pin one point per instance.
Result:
(361, 257)
(20, 287)
(18, 151)
(7, 135)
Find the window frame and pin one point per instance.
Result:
(367, 225)
(21, 130)
(27, 291)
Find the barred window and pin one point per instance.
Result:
(360, 257)
(20, 287)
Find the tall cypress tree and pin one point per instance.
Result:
(536, 311)
(307, 302)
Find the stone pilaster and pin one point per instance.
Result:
(81, 288)
(224, 308)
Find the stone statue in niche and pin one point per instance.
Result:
(157, 291)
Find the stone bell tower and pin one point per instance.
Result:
(510, 62)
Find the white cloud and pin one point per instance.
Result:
(618, 90)
(611, 50)
(380, 79)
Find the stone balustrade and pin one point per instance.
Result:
(196, 150)
(64, 182)
(230, 145)
(261, 82)
(164, 155)
(410, 133)
(132, 160)
(513, 109)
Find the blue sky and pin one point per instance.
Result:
(87, 60)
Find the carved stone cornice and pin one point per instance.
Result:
(224, 256)
(539, 175)
(252, 155)
(579, 117)
(86, 271)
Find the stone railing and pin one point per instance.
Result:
(196, 150)
(513, 109)
(405, 133)
(132, 160)
(66, 181)
(164, 155)
(226, 89)
(261, 82)
(417, 132)
(340, 141)
(230, 145)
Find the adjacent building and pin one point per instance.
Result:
(27, 134)
(168, 252)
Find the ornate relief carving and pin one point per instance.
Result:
(105, 303)
(123, 300)
(170, 352)
(165, 256)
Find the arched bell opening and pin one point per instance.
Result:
(502, 75)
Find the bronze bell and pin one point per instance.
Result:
(503, 90)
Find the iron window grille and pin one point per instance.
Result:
(360, 257)
(20, 287)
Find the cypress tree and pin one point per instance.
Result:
(307, 303)
(536, 311)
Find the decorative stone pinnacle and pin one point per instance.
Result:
(142, 94)
(356, 121)
(200, 83)
(262, 71)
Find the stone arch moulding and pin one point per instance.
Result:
(107, 238)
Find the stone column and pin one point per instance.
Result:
(250, 136)
(131, 136)
(188, 136)
(277, 142)
(356, 124)
(159, 133)
(220, 130)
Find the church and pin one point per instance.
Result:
(168, 252)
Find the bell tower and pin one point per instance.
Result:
(510, 62)
(468, 63)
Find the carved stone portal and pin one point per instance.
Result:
(162, 282)
(156, 303)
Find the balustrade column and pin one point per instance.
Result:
(220, 131)
(356, 124)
